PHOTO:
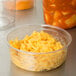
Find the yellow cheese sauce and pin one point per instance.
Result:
(44, 55)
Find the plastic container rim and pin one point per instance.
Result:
(42, 25)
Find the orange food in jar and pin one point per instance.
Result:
(61, 13)
(20, 4)
(24, 4)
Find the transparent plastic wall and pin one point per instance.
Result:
(7, 16)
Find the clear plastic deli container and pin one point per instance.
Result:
(7, 16)
(32, 61)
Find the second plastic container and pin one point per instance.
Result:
(7, 16)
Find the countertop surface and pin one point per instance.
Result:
(34, 16)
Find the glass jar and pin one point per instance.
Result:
(61, 13)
